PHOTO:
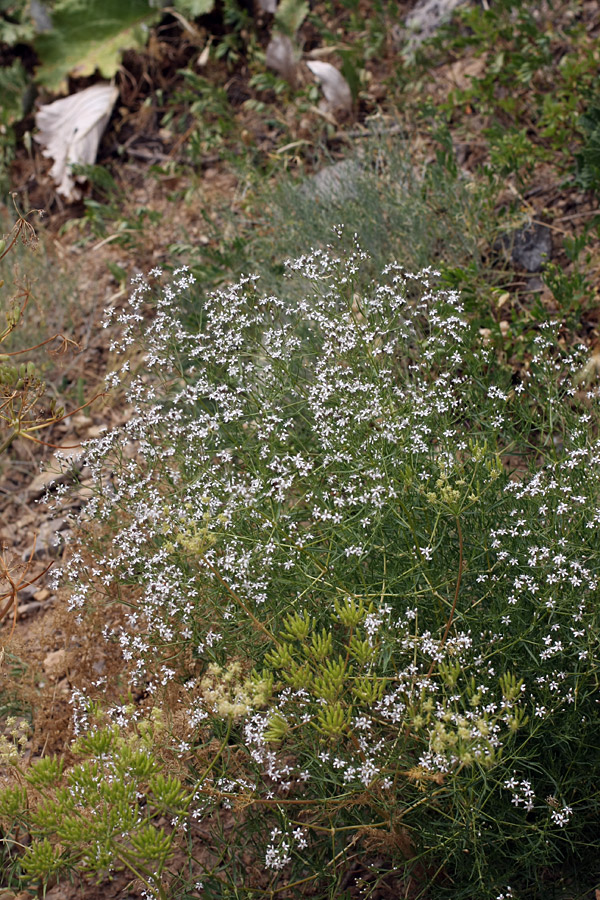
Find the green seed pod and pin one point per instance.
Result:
(12, 316)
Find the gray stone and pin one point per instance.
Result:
(47, 541)
(530, 247)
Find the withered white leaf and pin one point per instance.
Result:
(333, 84)
(281, 56)
(268, 6)
(70, 130)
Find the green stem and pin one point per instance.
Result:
(133, 870)
(8, 441)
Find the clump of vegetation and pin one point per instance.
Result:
(27, 407)
(22, 390)
(347, 543)
(92, 810)
(353, 550)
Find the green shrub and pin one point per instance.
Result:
(99, 813)
(356, 558)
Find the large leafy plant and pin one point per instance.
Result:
(78, 37)
(90, 34)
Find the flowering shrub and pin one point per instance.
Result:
(356, 558)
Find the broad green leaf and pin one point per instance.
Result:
(194, 8)
(90, 34)
(290, 15)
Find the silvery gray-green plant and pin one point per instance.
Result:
(360, 552)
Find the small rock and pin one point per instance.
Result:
(530, 247)
(99, 666)
(47, 541)
(81, 422)
(63, 686)
(85, 492)
(55, 663)
(41, 595)
(95, 431)
(27, 609)
(44, 480)
(535, 285)
(57, 470)
(26, 593)
(59, 892)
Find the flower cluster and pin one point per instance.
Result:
(347, 536)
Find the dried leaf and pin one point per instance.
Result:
(204, 56)
(333, 84)
(281, 56)
(268, 6)
(70, 131)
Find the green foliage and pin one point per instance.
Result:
(16, 22)
(107, 211)
(13, 90)
(22, 390)
(428, 215)
(290, 15)
(86, 36)
(572, 290)
(207, 119)
(13, 84)
(42, 861)
(378, 545)
(13, 803)
(538, 67)
(194, 8)
(587, 160)
(357, 543)
(46, 773)
(97, 815)
(513, 152)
